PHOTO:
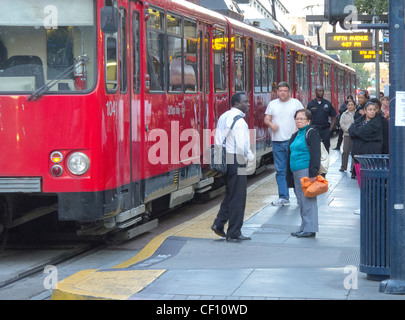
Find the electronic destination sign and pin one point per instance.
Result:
(349, 41)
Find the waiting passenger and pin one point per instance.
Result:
(304, 160)
(367, 135)
(346, 121)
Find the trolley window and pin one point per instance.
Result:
(136, 62)
(282, 65)
(313, 74)
(155, 35)
(123, 50)
(175, 55)
(273, 68)
(207, 62)
(305, 73)
(257, 78)
(264, 68)
(327, 69)
(47, 42)
(239, 63)
(219, 46)
(111, 69)
(319, 72)
(299, 72)
(190, 55)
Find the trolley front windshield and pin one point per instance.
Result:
(47, 41)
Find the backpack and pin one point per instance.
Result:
(324, 163)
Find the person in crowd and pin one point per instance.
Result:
(321, 110)
(380, 95)
(342, 109)
(385, 125)
(238, 150)
(345, 122)
(304, 161)
(367, 135)
(362, 99)
(279, 118)
(385, 102)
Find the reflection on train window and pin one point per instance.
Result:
(299, 72)
(273, 68)
(219, 46)
(239, 63)
(207, 61)
(137, 56)
(190, 54)
(111, 64)
(175, 56)
(313, 73)
(156, 19)
(32, 55)
(257, 78)
(319, 72)
(175, 63)
(123, 50)
(264, 69)
(173, 24)
(59, 51)
(155, 50)
(327, 77)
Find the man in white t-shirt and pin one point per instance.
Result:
(279, 117)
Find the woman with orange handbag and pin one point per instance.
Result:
(304, 161)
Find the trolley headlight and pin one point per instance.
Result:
(56, 157)
(78, 163)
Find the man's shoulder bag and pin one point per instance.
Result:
(218, 153)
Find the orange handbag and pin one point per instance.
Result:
(313, 189)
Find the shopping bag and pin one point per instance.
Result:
(313, 189)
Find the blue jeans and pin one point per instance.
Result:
(280, 152)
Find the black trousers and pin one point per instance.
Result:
(325, 136)
(233, 206)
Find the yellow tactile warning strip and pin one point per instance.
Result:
(120, 285)
(108, 285)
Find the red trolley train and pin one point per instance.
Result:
(103, 104)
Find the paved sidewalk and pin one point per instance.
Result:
(191, 262)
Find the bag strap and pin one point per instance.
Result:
(233, 124)
(306, 136)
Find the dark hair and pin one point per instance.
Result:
(372, 103)
(376, 102)
(308, 114)
(351, 101)
(283, 84)
(236, 97)
(349, 97)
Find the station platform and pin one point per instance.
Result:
(189, 262)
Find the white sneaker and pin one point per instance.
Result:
(281, 202)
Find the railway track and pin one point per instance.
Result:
(28, 270)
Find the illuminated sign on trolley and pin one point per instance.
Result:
(349, 41)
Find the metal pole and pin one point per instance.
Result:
(377, 59)
(396, 203)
